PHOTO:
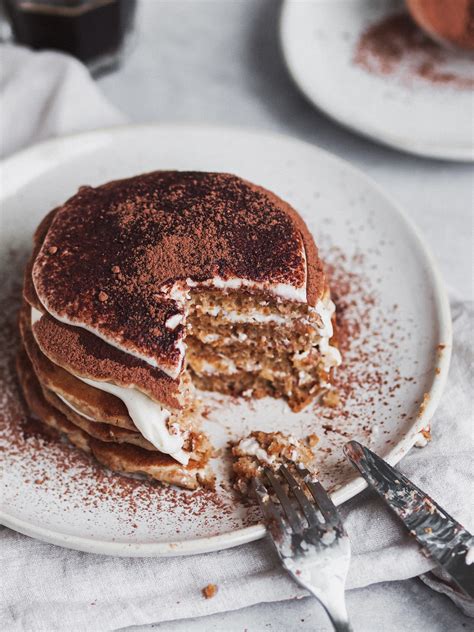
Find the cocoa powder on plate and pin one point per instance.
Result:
(396, 46)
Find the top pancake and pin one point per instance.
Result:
(113, 256)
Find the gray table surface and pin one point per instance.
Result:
(219, 62)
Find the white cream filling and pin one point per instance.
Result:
(325, 309)
(254, 316)
(174, 321)
(283, 290)
(251, 447)
(222, 365)
(148, 416)
(35, 315)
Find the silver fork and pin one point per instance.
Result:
(309, 538)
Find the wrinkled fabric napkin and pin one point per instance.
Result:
(43, 587)
(47, 94)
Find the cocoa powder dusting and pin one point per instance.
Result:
(368, 384)
(369, 381)
(396, 46)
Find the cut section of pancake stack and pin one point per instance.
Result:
(139, 289)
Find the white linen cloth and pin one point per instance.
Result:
(43, 587)
(47, 94)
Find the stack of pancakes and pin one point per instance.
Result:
(124, 277)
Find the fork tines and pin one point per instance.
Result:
(296, 510)
(308, 535)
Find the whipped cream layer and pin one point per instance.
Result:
(67, 403)
(148, 416)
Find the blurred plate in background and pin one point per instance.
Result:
(416, 97)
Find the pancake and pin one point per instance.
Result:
(104, 432)
(141, 288)
(81, 353)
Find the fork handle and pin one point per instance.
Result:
(340, 625)
(336, 611)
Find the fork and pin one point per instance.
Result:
(309, 537)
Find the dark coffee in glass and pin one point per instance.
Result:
(92, 30)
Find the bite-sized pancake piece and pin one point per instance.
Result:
(116, 259)
(262, 450)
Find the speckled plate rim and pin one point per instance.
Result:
(18, 169)
(330, 107)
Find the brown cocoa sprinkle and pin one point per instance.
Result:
(367, 377)
(103, 296)
(424, 404)
(395, 45)
(209, 591)
(53, 250)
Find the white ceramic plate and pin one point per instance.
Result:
(383, 275)
(319, 38)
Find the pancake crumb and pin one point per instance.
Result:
(209, 591)
(331, 399)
